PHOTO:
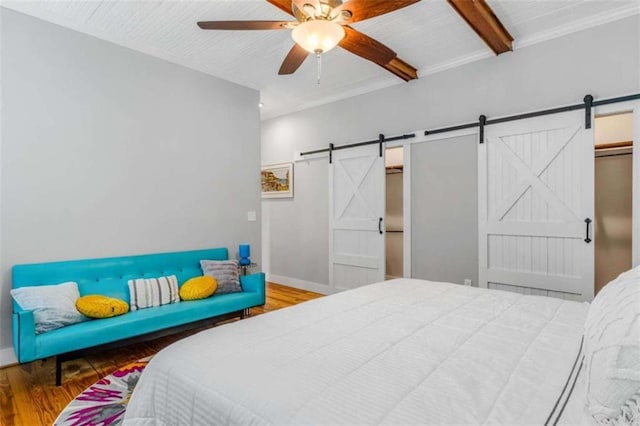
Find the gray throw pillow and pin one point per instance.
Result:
(225, 272)
(53, 306)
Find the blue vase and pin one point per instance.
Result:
(245, 251)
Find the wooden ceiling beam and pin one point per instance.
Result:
(484, 22)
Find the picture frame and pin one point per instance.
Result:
(277, 180)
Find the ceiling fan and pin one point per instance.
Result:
(323, 24)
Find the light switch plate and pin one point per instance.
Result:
(251, 216)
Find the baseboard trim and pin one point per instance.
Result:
(301, 284)
(7, 357)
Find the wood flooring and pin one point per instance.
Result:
(29, 397)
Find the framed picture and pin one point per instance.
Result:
(277, 181)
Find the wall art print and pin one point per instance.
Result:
(277, 181)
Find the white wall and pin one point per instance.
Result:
(444, 210)
(553, 73)
(109, 152)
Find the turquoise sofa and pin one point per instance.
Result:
(109, 276)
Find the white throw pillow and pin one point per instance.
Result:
(53, 306)
(149, 292)
(612, 351)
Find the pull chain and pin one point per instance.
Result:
(319, 61)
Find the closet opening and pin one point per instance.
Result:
(614, 146)
(394, 229)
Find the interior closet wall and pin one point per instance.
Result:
(613, 198)
(394, 220)
(551, 73)
(612, 217)
(393, 224)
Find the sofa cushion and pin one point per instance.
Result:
(225, 272)
(150, 292)
(98, 306)
(53, 306)
(198, 288)
(143, 321)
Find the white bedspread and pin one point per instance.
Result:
(399, 352)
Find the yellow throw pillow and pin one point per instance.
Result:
(98, 306)
(198, 288)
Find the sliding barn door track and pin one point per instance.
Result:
(588, 104)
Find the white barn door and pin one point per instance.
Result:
(536, 195)
(356, 212)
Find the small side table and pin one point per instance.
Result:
(245, 268)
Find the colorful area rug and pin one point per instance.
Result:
(104, 402)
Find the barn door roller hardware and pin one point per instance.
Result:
(381, 140)
(482, 121)
(588, 104)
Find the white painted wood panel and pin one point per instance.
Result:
(356, 205)
(167, 29)
(535, 191)
(406, 211)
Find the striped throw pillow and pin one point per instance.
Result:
(225, 272)
(149, 292)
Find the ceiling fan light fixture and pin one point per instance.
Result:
(318, 35)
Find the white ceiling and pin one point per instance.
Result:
(429, 35)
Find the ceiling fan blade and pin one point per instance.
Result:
(294, 59)
(365, 9)
(368, 48)
(244, 25)
(364, 46)
(401, 69)
(284, 5)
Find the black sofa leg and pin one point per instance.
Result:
(58, 371)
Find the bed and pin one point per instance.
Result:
(404, 351)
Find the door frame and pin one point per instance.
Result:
(619, 108)
(406, 204)
(406, 211)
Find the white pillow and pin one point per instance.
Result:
(146, 293)
(612, 351)
(53, 306)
